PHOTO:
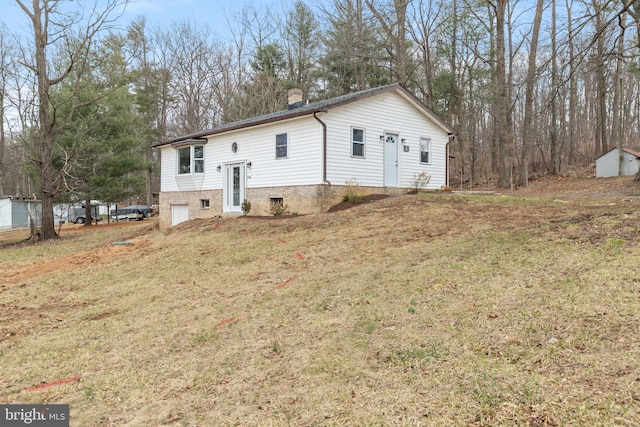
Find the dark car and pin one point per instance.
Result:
(146, 210)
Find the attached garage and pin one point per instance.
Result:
(179, 213)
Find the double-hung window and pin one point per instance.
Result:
(425, 150)
(357, 142)
(191, 159)
(282, 146)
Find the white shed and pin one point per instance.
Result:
(612, 162)
(15, 212)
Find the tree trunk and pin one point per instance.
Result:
(528, 105)
(501, 102)
(555, 86)
(45, 128)
(573, 89)
(601, 117)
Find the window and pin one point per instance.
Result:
(191, 159)
(281, 145)
(425, 148)
(357, 142)
(204, 203)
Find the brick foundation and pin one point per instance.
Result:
(298, 199)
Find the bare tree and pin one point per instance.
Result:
(63, 34)
(527, 128)
(393, 21)
(5, 51)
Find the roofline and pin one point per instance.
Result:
(322, 106)
(626, 150)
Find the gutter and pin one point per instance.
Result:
(324, 147)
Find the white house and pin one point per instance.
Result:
(381, 138)
(611, 162)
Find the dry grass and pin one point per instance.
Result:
(432, 310)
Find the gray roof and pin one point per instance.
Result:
(308, 109)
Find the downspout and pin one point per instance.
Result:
(324, 147)
(446, 165)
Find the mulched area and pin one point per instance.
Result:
(347, 205)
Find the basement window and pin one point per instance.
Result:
(204, 203)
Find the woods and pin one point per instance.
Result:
(533, 87)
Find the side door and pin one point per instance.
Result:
(390, 160)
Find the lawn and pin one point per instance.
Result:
(431, 309)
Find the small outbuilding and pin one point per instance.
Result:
(616, 162)
(15, 212)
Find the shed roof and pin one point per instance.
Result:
(316, 107)
(626, 150)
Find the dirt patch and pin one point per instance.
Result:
(74, 261)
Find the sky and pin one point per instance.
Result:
(215, 13)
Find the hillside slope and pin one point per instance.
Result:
(431, 309)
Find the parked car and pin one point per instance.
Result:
(77, 215)
(127, 214)
(146, 210)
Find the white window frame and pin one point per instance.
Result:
(286, 145)
(425, 147)
(192, 160)
(354, 142)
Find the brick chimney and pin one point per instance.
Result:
(295, 98)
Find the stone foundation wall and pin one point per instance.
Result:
(298, 199)
(193, 200)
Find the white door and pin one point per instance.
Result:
(390, 160)
(234, 188)
(179, 213)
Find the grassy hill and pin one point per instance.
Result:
(432, 309)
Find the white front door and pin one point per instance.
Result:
(179, 213)
(234, 188)
(390, 160)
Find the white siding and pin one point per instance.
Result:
(607, 165)
(303, 166)
(5, 213)
(388, 112)
(384, 113)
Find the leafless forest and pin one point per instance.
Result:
(533, 87)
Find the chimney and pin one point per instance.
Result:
(295, 98)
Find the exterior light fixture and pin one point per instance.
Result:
(219, 168)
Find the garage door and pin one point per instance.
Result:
(179, 213)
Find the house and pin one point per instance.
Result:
(303, 157)
(15, 212)
(615, 160)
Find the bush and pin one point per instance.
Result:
(246, 207)
(420, 181)
(278, 208)
(353, 192)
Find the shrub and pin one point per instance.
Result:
(278, 208)
(353, 192)
(420, 181)
(246, 207)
